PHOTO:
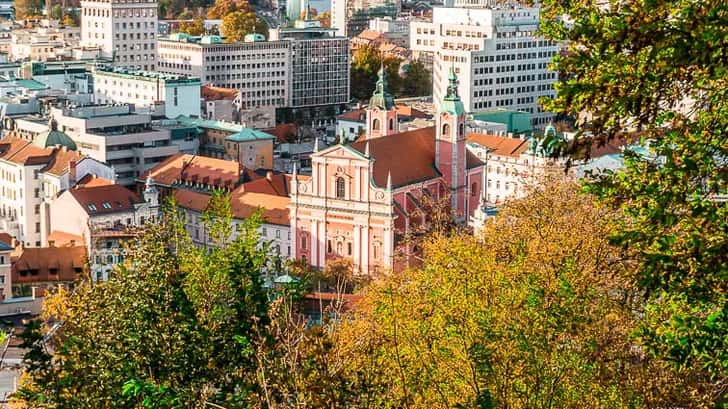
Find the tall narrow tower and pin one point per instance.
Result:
(382, 113)
(125, 31)
(450, 145)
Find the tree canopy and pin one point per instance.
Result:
(236, 25)
(195, 27)
(656, 71)
(365, 65)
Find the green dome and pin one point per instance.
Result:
(452, 103)
(54, 137)
(381, 98)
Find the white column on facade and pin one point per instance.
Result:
(314, 238)
(322, 243)
(357, 248)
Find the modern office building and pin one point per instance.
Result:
(259, 69)
(179, 95)
(496, 53)
(125, 30)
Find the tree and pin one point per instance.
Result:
(56, 12)
(235, 26)
(195, 27)
(172, 328)
(659, 69)
(324, 18)
(28, 8)
(418, 81)
(69, 20)
(365, 64)
(222, 8)
(537, 316)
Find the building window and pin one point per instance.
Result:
(473, 188)
(303, 242)
(391, 124)
(445, 129)
(340, 188)
(329, 248)
(375, 124)
(349, 249)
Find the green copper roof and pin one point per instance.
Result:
(54, 137)
(452, 103)
(238, 133)
(32, 85)
(381, 98)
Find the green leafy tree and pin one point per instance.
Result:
(28, 8)
(418, 81)
(56, 12)
(170, 329)
(236, 25)
(659, 68)
(365, 65)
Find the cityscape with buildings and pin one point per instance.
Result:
(363, 204)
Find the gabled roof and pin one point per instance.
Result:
(243, 204)
(105, 199)
(275, 184)
(93, 181)
(357, 115)
(199, 169)
(499, 145)
(60, 161)
(23, 152)
(409, 156)
(41, 264)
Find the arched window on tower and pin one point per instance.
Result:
(391, 124)
(461, 130)
(340, 188)
(446, 130)
(375, 125)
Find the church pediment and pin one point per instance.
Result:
(341, 152)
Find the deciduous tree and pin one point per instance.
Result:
(195, 27)
(658, 69)
(236, 25)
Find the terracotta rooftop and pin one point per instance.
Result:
(272, 184)
(501, 146)
(211, 93)
(200, 169)
(105, 199)
(282, 131)
(410, 156)
(370, 35)
(23, 152)
(62, 239)
(93, 181)
(43, 264)
(243, 204)
(408, 111)
(357, 115)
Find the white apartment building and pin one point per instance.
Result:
(259, 69)
(118, 136)
(125, 30)
(499, 59)
(146, 90)
(30, 179)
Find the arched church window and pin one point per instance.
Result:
(445, 129)
(391, 124)
(340, 248)
(340, 188)
(461, 130)
(375, 125)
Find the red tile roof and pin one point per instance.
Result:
(92, 181)
(61, 239)
(200, 169)
(357, 115)
(42, 264)
(24, 152)
(500, 145)
(408, 111)
(211, 93)
(105, 199)
(282, 132)
(409, 156)
(370, 35)
(60, 161)
(272, 184)
(243, 204)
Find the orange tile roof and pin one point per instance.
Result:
(500, 145)
(92, 181)
(198, 169)
(217, 93)
(406, 110)
(409, 156)
(357, 115)
(282, 131)
(60, 161)
(277, 185)
(243, 204)
(61, 239)
(23, 152)
(370, 35)
(105, 199)
(30, 265)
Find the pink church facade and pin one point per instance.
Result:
(363, 197)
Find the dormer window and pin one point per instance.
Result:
(106, 205)
(92, 207)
